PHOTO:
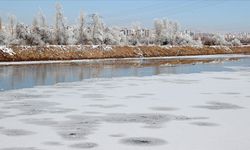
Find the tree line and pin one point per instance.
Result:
(91, 30)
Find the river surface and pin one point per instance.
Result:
(140, 104)
(30, 75)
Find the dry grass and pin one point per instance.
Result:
(87, 52)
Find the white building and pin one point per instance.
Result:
(141, 32)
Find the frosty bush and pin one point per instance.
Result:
(40, 30)
(236, 42)
(187, 40)
(168, 33)
(2, 38)
(220, 40)
(24, 36)
(112, 36)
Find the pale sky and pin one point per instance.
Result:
(201, 15)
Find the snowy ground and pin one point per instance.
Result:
(6, 50)
(202, 111)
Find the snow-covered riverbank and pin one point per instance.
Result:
(205, 111)
(76, 52)
(92, 61)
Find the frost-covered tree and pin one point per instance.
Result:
(173, 28)
(2, 35)
(24, 35)
(159, 31)
(82, 37)
(123, 38)
(40, 29)
(2, 38)
(166, 31)
(20, 35)
(112, 36)
(72, 34)
(12, 20)
(35, 23)
(97, 29)
(42, 19)
(137, 36)
(60, 33)
(187, 40)
(149, 38)
(169, 33)
(94, 31)
(220, 40)
(7, 35)
(37, 34)
(0, 24)
(236, 42)
(45, 32)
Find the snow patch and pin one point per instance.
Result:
(101, 47)
(7, 50)
(107, 48)
(94, 46)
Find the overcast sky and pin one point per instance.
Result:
(201, 15)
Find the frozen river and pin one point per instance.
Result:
(18, 75)
(138, 106)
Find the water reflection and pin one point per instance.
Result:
(26, 76)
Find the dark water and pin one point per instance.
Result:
(27, 76)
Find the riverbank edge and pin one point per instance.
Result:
(79, 52)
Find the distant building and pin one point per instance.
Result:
(141, 32)
(242, 35)
(126, 32)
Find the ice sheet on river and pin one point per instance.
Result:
(208, 111)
